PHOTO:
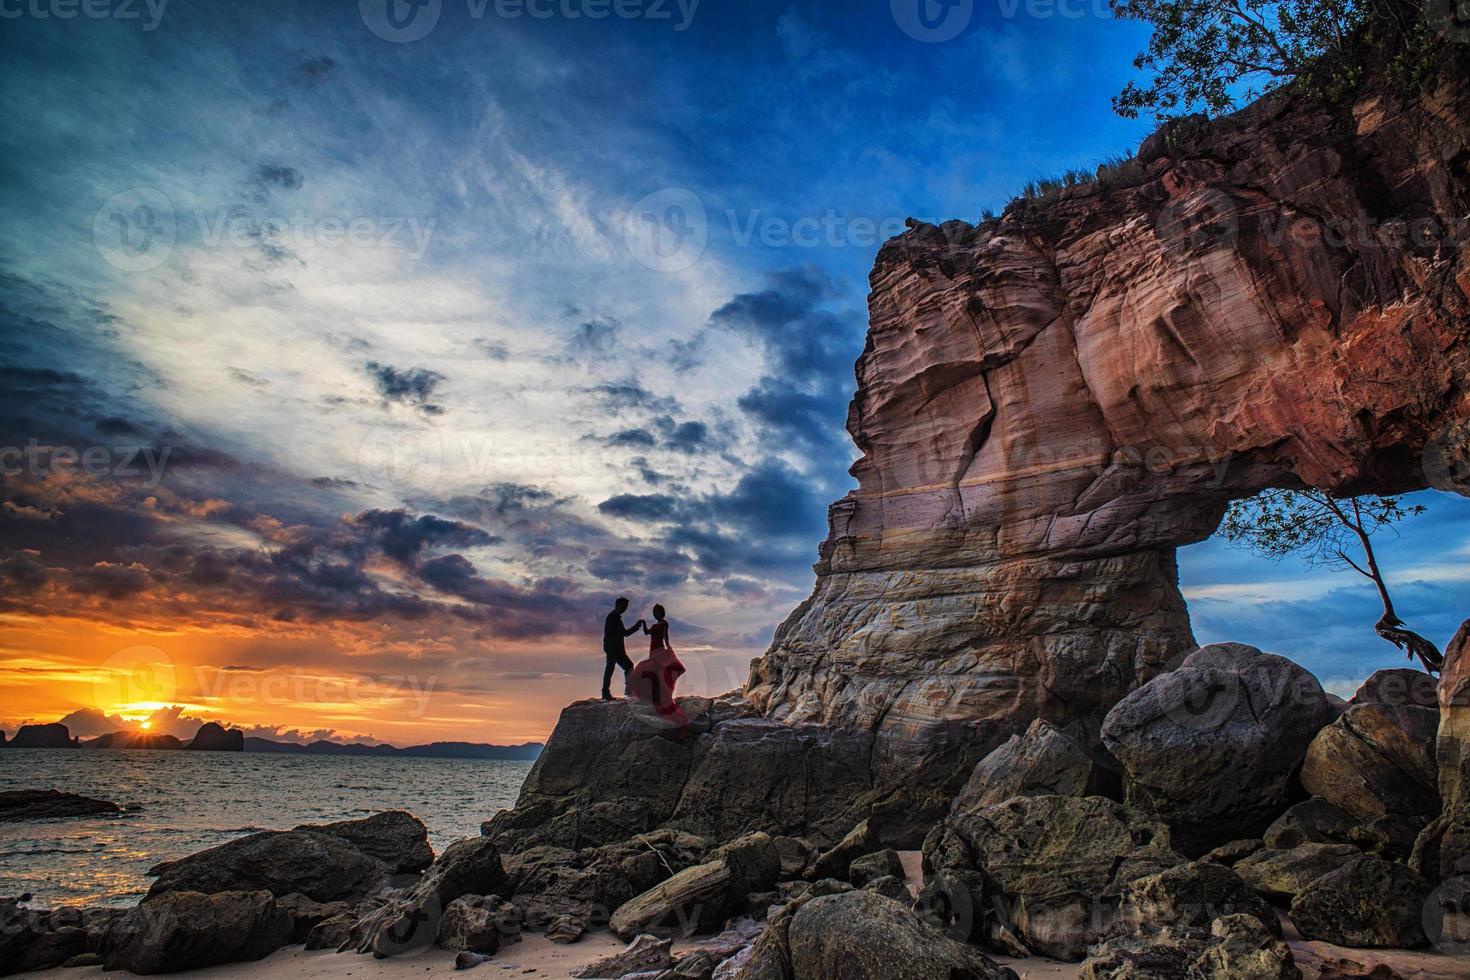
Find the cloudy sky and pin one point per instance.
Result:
(354, 356)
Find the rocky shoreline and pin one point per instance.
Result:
(1115, 856)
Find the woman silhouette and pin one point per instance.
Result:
(654, 678)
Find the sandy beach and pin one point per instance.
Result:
(537, 957)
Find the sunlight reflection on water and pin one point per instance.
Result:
(188, 801)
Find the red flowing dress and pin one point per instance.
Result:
(654, 678)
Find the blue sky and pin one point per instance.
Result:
(398, 313)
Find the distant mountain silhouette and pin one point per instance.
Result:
(132, 740)
(52, 736)
(214, 737)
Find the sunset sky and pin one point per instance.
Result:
(344, 380)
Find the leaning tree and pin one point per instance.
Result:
(1323, 530)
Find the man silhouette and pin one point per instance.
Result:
(613, 633)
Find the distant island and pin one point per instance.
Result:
(213, 737)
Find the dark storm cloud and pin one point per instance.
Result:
(413, 387)
(109, 580)
(629, 438)
(771, 499)
(315, 70)
(688, 437)
(651, 567)
(273, 176)
(593, 340)
(403, 537)
(647, 507)
(116, 425)
(800, 404)
(630, 396)
(22, 573)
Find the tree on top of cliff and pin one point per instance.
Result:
(1322, 530)
(1202, 52)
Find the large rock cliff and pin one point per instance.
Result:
(1051, 403)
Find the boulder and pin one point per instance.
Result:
(1281, 875)
(1400, 687)
(1447, 917)
(1211, 747)
(411, 921)
(1236, 947)
(1232, 852)
(478, 923)
(796, 854)
(1368, 902)
(1376, 759)
(50, 804)
(307, 913)
(699, 899)
(890, 887)
(212, 737)
(1058, 865)
(1313, 821)
(1191, 896)
(466, 960)
(1391, 836)
(587, 885)
(184, 930)
(834, 862)
(398, 839)
(861, 935)
(320, 866)
(1045, 761)
(644, 953)
(879, 864)
(565, 929)
(331, 933)
(1164, 955)
(1242, 948)
(37, 939)
(1443, 849)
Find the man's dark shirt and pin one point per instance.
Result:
(613, 633)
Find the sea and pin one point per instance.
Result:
(181, 802)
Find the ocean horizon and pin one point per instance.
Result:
(177, 803)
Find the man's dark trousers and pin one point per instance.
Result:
(615, 658)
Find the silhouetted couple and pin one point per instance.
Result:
(651, 681)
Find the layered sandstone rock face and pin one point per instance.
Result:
(1050, 404)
